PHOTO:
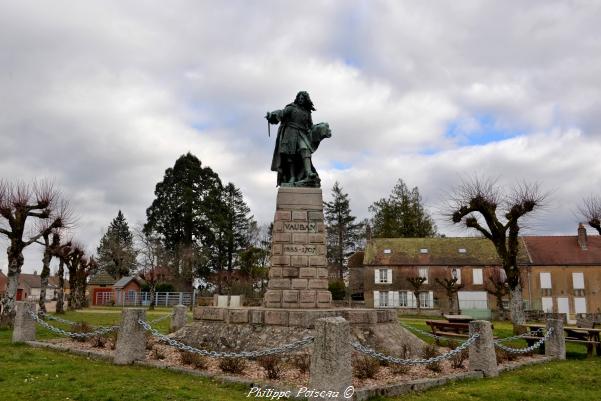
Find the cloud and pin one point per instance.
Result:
(104, 96)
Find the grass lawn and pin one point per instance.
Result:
(31, 374)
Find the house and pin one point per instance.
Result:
(3, 283)
(564, 275)
(127, 290)
(30, 286)
(560, 274)
(388, 263)
(100, 288)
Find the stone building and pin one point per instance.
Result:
(559, 274)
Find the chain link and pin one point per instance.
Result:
(425, 333)
(160, 319)
(388, 358)
(537, 333)
(99, 331)
(293, 346)
(58, 319)
(527, 349)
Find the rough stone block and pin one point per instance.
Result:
(299, 261)
(482, 355)
(317, 238)
(324, 297)
(278, 227)
(131, 338)
(282, 237)
(24, 326)
(273, 304)
(316, 216)
(280, 260)
(238, 316)
(290, 305)
(290, 272)
(283, 215)
(386, 315)
(178, 319)
(318, 283)
(320, 249)
(299, 215)
(317, 261)
(300, 238)
(555, 346)
(299, 283)
(308, 296)
(276, 317)
(255, 316)
(279, 283)
(289, 296)
(275, 272)
(320, 227)
(276, 249)
(322, 273)
(307, 272)
(297, 198)
(361, 316)
(273, 296)
(211, 313)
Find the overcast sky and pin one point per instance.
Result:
(103, 96)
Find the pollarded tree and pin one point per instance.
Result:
(417, 282)
(20, 203)
(451, 289)
(61, 252)
(497, 287)
(401, 215)
(590, 209)
(343, 234)
(154, 262)
(116, 253)
(51, 241)
(482, 205)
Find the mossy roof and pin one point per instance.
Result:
(440, 251)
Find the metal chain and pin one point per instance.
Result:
(387, 358)
(527, 349)
(58, 319)
(160, 319)
(425, 333)
(99, 331)
(293, 346)
(520, 336)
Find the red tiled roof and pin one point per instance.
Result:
(563, 250)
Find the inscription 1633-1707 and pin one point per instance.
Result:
(300, 250)
(300, 227)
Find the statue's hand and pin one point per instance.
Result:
(272, 118)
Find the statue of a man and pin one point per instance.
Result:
(296, 141)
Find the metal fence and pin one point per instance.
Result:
(133, 298)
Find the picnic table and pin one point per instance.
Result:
(459, 318)
(582, 335)
(449, 329)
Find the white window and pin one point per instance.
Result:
(423, 272)
(383, 299)
(376, 299)
(403, 299)
(578, 281)
(473, 300)
(462, 250)
(477, 277)
(579, 305)
(545, 280)
(456, 273)
(426, 299)
(394, 302)
(387, 251)
(547, 304)
(383, 276)
(423, 250)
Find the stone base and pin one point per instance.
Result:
(240, 329)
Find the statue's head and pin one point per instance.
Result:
(304, 100)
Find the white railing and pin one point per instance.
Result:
(131, 298)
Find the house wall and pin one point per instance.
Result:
(562, 286)
(35, 293)
(400, 274)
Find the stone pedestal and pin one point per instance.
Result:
(298, 277)
(24, 329)
(482, 355)
(178, 319)
(555, 347)
(131, 340)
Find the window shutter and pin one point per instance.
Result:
(477, 276)
(376, 276)
(578, 281)
(389, 276)
(376, 299)
(431, 299)
(545, 280)
(410, 299)
(395, 299)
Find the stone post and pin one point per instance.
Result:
(331, 368)
(131, 341)
(24, 329)
(482, 352)
(555, 346)
(178, 320)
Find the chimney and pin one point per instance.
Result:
(35, 272)
(582, 237)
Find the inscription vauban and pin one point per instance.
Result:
(300, 250)
(300, 227)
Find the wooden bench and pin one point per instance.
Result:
(585, 334)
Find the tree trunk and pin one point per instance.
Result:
(417, 303)
(516, 305)
(15, 263)
(60, 308)
(44, 279)
(152, 296)
(72, 290)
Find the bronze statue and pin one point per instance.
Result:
(296, 141)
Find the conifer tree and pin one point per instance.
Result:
(116, 254)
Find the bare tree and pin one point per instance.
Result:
(481, 204)
(417, 283)
(590, 209)
(451, 289)
(79, 267)
(497, 286)
(154, 260)
(62, 252)
(20, 202)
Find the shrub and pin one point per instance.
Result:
(503, 356)
(150, 341)
(457, 360)
(98, 341)
(272, 365)
(430, 351)
(338, 290)
(232, 365)
(365, 367)
(401, 369)
(80, 327)
(112, 339)
(158, 354)
(302, 362)
(196, 360)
